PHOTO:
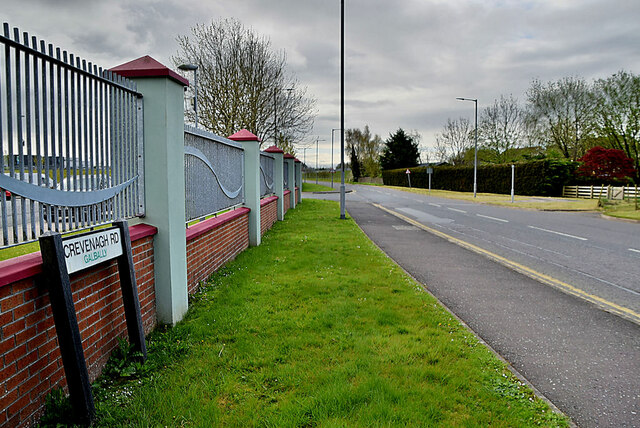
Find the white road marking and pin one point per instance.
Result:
(634, 250)
(457, 210)
(435, 205)
(493, 218)
(559, 233)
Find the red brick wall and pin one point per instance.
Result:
(30, 362)
(287, 200)
(268, 213)
(213, 242)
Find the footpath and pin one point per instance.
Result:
(584, 360)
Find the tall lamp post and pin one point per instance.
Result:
(475, 147)
(334, 129)
(194, 68)
(317, 140)
(342, 190)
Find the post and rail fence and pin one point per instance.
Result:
(601, 192)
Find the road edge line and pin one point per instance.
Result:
(601, 303)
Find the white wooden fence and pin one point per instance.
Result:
(602, 191)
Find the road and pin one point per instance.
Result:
(584, 359)
(599, 258)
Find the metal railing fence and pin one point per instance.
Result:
(266, 174)
(214, 173)
(72, 143)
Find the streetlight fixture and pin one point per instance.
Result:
(475, 147)
(194, 68)
(334, 129)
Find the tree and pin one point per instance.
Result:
(562, 114)
(243, 83)
(618, 114)
(367, 149)
(501, 128)
(455, 139)
(606, 164)
(400, 151)
(355, 165)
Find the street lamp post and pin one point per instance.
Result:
(194, 68)
(334, 129)
(342, 189)
(475, 147)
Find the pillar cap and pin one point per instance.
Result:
(274, 149)
(289, 156)
(146, 66)
(244, 135)
(297, 160)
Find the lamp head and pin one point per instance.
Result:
(188, 67)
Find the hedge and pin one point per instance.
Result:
(539, 177)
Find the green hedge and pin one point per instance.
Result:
(540, 177)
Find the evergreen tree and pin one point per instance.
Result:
(355, 164)
(400, 151)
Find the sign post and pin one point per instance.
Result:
(429, 171)
(408, 176)
(513, 181)
(61, 257)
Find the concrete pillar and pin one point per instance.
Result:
(163, 92)
(290, 164)
(278, 177)
(298, 167)
(251, 145)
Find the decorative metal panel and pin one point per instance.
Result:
(266, 175)
(71, 142)
(214, 173)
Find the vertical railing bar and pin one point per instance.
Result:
(10, 136)
(118, 146)
(45, 127)
(65, 173)
(28, 94)
(60, 168)
(125, 151)
(36, 112)
(20, 140)
(72, 181)
(92, 140)
(101, 137)
(85, 138)
(113, 141)
(3, 198)
(130, 154)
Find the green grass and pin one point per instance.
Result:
(531, 202)
(621, 209)
(313, 187)
(317, 327)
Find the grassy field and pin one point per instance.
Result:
(317, 327)
(621, 209)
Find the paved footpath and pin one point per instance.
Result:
(586, 361)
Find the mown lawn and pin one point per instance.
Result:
(316, 327)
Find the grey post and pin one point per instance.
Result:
(163, 92)
(251, 145)
(298, 168)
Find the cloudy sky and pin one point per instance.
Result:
(406, 60)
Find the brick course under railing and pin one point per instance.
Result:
(30, 364)
(213, 242)
(268, 213)
(287, 200)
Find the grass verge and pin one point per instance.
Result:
(317, 327)
(620, 209)
(531, 202)
(313, 187)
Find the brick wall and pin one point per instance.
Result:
(268, 213)
(30, 362)
(287, 200)
(213, 242)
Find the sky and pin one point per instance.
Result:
(406, 61)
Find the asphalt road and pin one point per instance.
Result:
(584, 359)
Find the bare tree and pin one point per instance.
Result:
(618, 113)
(562, 114)
(367, 149)
(455, 139)
(502, 127)
(243, 83)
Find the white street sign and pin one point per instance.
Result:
(88, 250)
